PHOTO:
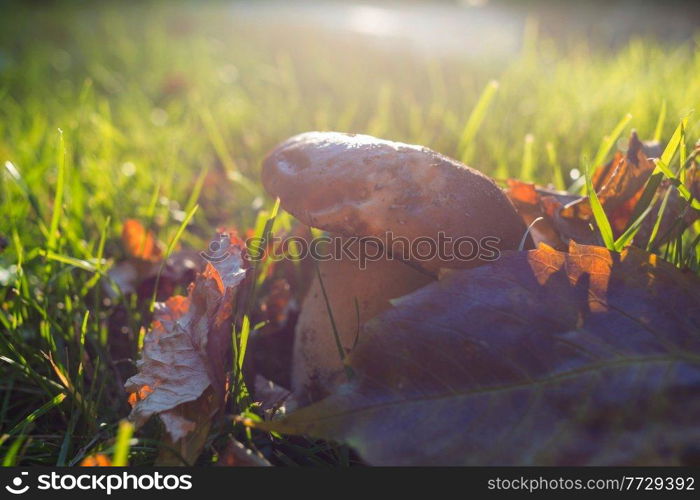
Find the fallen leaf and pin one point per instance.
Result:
(139, 242)
(619, 184)
(96, 460)
(677, 210)
(545, 357)
(536, 213)
(182, 371)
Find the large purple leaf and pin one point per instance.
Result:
(544, 357)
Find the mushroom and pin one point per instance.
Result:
(359, 186)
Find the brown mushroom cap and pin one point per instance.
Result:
(358, 185)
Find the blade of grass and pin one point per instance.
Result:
(13, 452)
(334, 328)
(122, 444)
(243, 341)
(605, 146)
(609, 141)
(168, 251)
(673, 143)
(657, 223)
(58, 197)
(648, 195)
(256, 264)
(660, 122)
(72, 261)
(601, 219)
(53, 402)
(16, 176)
(556, 168)
(632, 229)
(527, 169)
(465, 147)
(196, 190)
(521, 246)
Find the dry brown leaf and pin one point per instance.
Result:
(531, 206)
(619, 184)
(182, 372)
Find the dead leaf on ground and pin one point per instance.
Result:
(619, 185)
(144, 266)
(545, 357)
(96, 460)
(182, 372)
(139, 242)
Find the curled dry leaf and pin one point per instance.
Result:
(545, 357)
(538, 209)
(182, 372)
(619, 185)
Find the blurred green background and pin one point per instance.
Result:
(151, 94)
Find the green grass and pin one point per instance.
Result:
(120, 112)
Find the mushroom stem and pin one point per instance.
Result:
(354, 296)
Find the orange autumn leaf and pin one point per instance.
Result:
(139, 395)
(96, 460)
(139, 242)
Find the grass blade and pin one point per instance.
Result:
(609, 141)
(465, 147)
(336, 335)
(632, 229)
(243, 342)
(58, 198)
(559, 182)
(601, 219)
(605, 146)
(657, 223)
(122, 444)
(527, 169)
(660, 122)
(171, 246)
(55, 401)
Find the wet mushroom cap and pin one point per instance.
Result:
(358, 185)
